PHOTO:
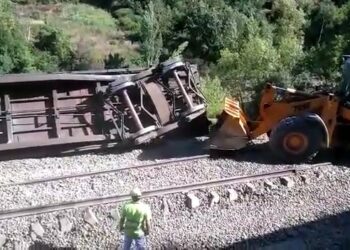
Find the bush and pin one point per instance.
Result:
(209, 26)
(115, 61)
(43, 1)
(46, 62)
(128, 21)
(244, 69)
(55, 43)
(215, 95)
(136, 61)
(86, 59)
(15, 51)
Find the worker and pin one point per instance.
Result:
(135, 221)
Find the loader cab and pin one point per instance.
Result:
(345, 83)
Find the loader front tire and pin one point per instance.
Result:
(295, 140)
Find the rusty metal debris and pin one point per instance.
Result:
(123, 105)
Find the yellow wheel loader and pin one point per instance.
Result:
(298, 123)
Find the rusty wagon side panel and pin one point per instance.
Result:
(121, 105)
(43, 110)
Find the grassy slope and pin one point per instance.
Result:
(93, 31)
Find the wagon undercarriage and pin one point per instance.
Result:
(120, 106)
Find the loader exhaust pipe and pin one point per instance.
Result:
(294, 91)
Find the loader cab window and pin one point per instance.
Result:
(345, 83)
(279, 96)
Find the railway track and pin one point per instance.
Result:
(29, 211)
(109, 171)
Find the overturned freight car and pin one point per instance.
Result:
(108, 106)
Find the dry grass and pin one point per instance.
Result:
(92, 31)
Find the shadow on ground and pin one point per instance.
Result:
(261, 153)
(63, 151)
(258, 153)
(171, 146)
(176, 148)
(332, 232)
(42, 246)
(163, 149)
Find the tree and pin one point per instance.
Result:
(151, 35)
(327, 38)
(208, 27)
(56, 44)
(15, 51)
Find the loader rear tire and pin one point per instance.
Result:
(295, 140)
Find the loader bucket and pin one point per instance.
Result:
(232, 130)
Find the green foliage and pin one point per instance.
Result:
(152, 40)
(56, 44)
(15, 51)
(137, 5)
(268, 47)
(44, 1)
(215, 95)
(88, 15)
(46, 62)
(93, 33)
(179, 50)
(209, 26)
(128, 21)
(290, 52)
(327, 38)
(256, 62)
(240, 43)
(288, 17)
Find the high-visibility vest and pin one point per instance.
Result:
(135, 214)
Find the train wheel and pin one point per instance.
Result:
(295, 140)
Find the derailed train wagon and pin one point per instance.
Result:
(118, 106)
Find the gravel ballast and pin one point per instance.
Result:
(262, 216)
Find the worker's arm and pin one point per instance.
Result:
(147, 226)
(122, 220)
(147, 222)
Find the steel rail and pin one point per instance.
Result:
(80, 175)
(29, 211)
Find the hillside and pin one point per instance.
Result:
(92, 32)
(239, 44)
